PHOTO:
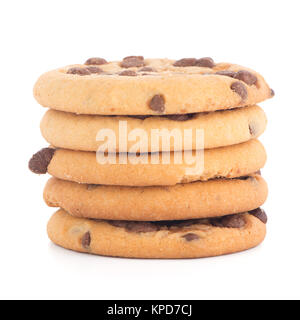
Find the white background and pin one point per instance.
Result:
(37, 36)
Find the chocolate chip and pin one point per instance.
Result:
(175, 117)
(118, 223)
(40, 160)
(246, 77)
(135, 226)
(95, 61)
(191, 237)
(147, 69)
(226, 73)
(139, 226)
(139, 117)
(79, 71)
(185, 62)
(181, 117)
(253, 129)
(86, 240)
(157, 103)
(258, 172)
(129, 73)
(241, 178)
(205, 62)
(231, 221)
(240, 89)
(259, 214)
(93, 69)
(178, 223)
(133, 61)
(187, 223)
(272, 93)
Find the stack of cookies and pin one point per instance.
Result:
(122, 136)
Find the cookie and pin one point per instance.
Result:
(82, 167)
(136, 86)
(185, 239)
(183, 201)
(221, 128)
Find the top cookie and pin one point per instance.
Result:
(138, 86)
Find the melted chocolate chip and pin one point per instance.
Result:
(79, 71)
(240, 89)
(95, 61)
(181, 117)
(157, 103)
(40, 160)
(135, 226)
(259, 214)
(147, 69)
(141, 227)
(226, 73)
(241, 178)
(185, 62)
(93, 69)
(191, 237)
(178, 223)
(86, 240)
(231, 221)
(205, 62)
(118, 223)
(132, 61)
(139, 117)
(174, 117)
(129, 73)
(246, 76)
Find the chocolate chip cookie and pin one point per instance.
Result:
(138, 86)
(82, 167)
(164, 239)
(216, 197)
(221, 128)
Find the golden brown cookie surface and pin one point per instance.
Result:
(220, 128)
(165, 87)
(183, 201)
(188, 239)
(226, 162)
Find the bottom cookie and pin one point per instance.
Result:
(164, 239)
